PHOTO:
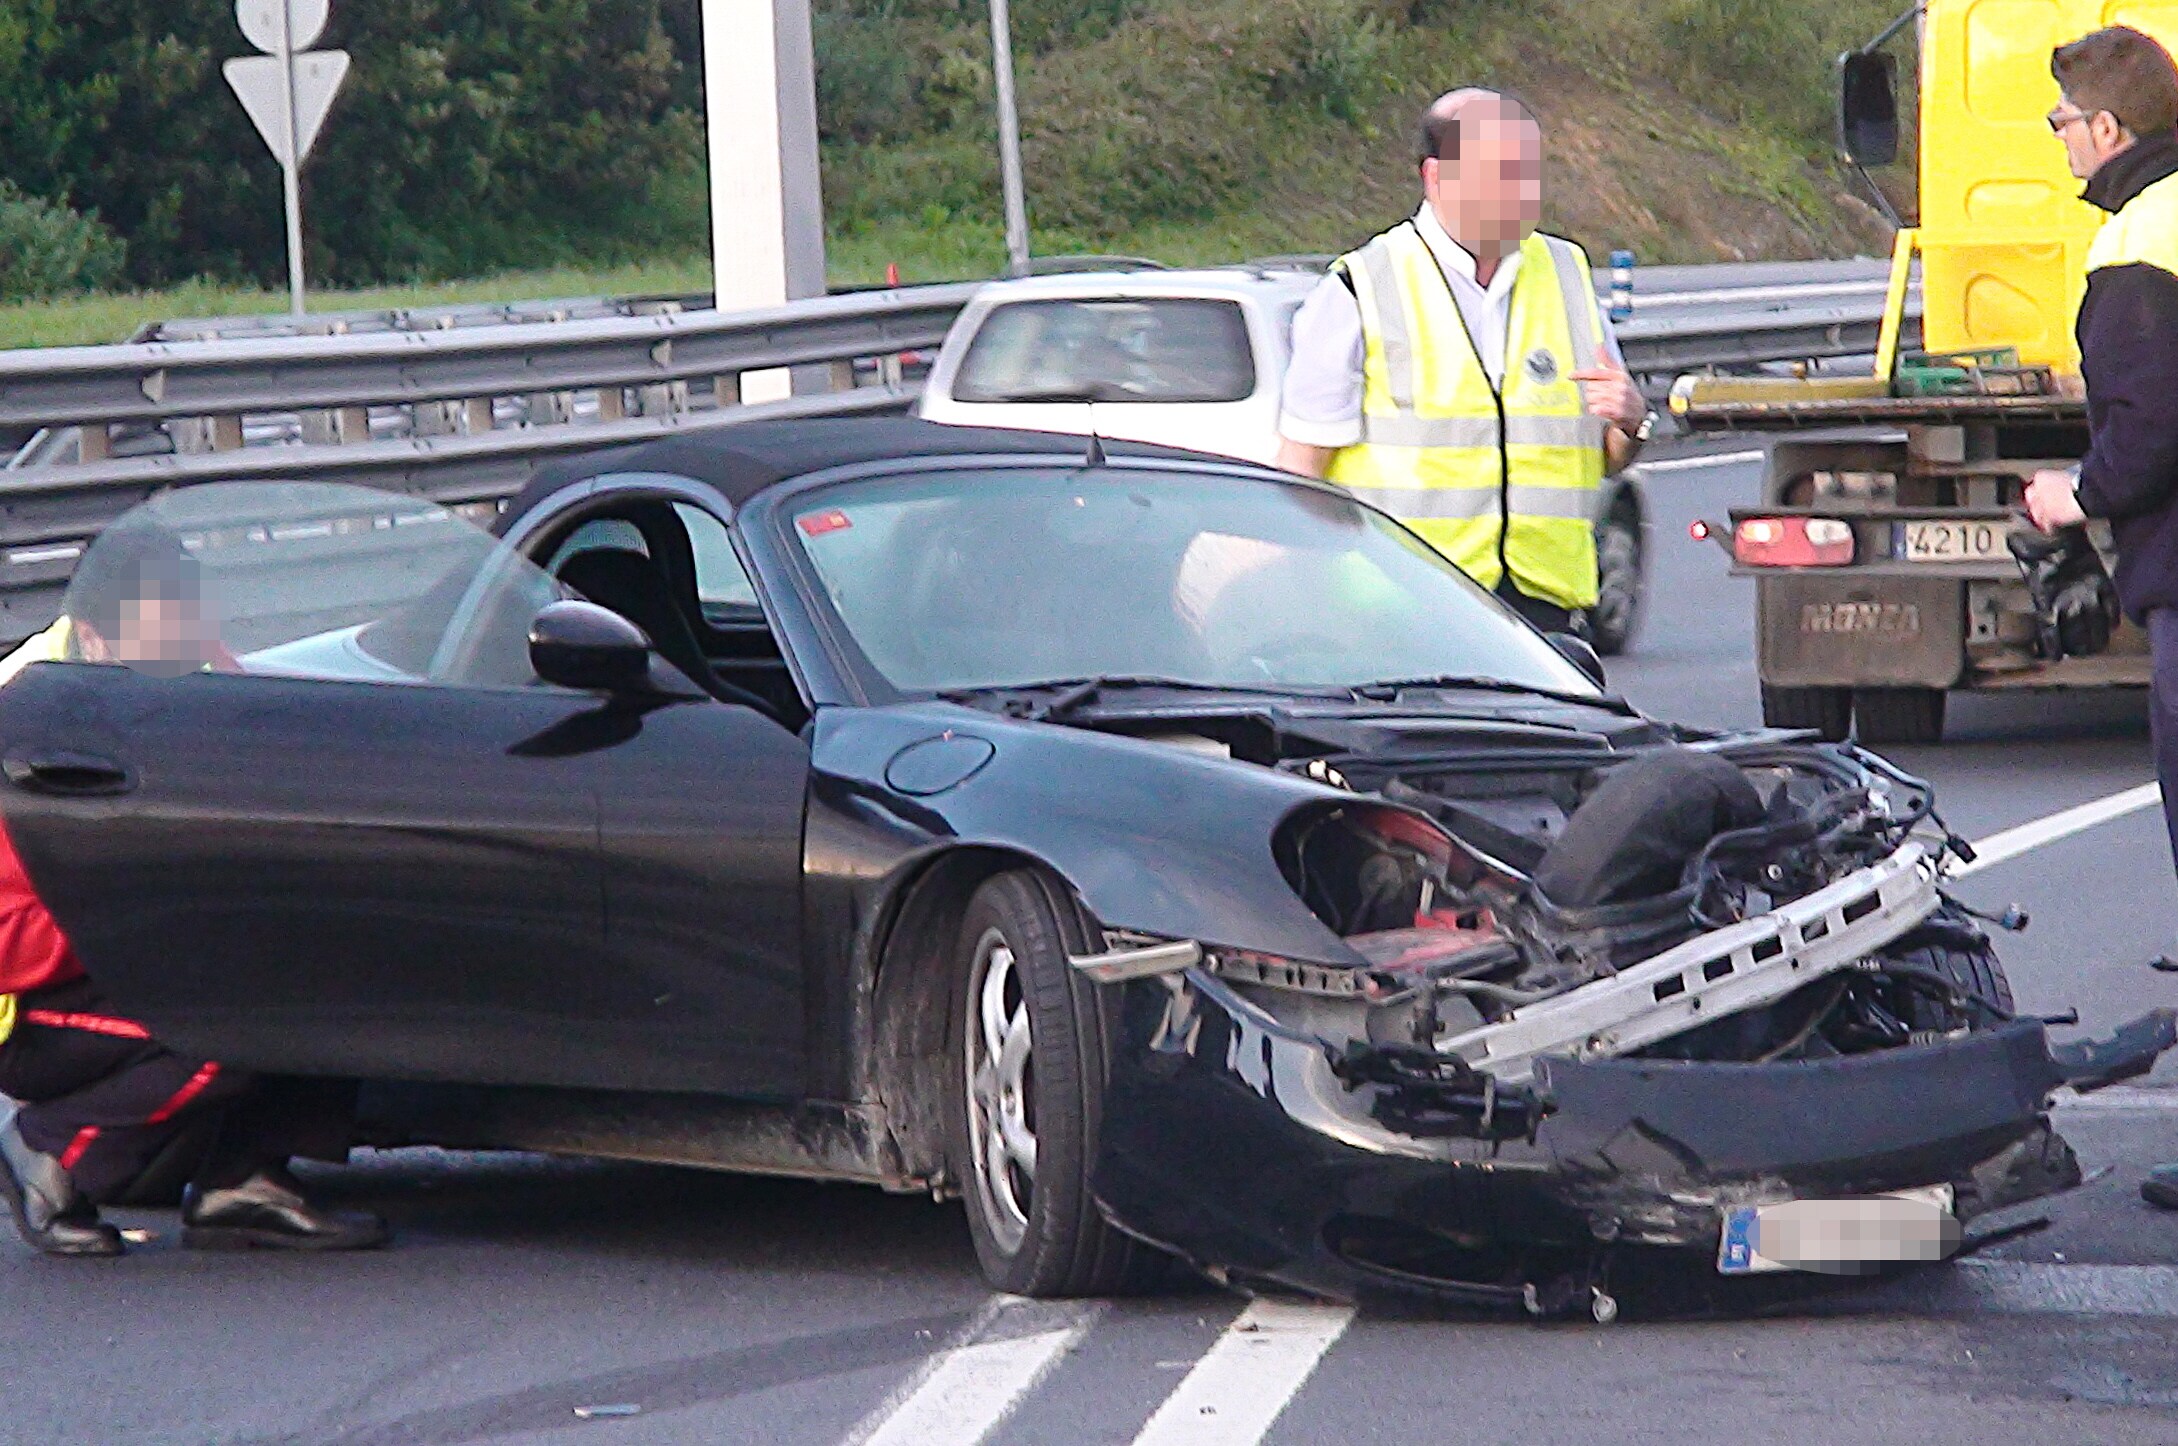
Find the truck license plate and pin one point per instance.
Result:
(1954, 541)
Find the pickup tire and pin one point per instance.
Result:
(1899, 715)
(1828, 711)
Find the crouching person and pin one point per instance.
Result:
(99, 1103)
(101, 1108)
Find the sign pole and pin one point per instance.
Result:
(291, 168)
(1011, 190)
(292, 184)
(287, 90)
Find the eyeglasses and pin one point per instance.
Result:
(2060, 119)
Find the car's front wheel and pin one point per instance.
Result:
(1030, 1043)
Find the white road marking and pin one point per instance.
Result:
(2119, 1100)
(962, 1393)
(2025, 1287)
(2013, 842)
(1244, 1380)
(1708, 459)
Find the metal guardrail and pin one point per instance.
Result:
(467, 410)
(1667, 346)
(157, 381)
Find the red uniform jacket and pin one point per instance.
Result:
(33, 952)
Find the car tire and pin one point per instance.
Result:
(1899, 715)
(1951, 948)
(1828, 711)
(1030, 1043)
(1620, 583)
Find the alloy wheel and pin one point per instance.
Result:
(1001, 1092)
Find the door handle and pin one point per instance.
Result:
(67, 773)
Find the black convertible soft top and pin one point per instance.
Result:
(742, 459)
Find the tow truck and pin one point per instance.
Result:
(1882, 547)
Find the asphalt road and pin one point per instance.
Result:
(731, 1310)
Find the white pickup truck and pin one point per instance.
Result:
(1188, 359)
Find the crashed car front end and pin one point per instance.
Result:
(1501, 1090)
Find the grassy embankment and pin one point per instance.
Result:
(1207, 130)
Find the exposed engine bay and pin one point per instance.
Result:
(1748, 900)
(1752, 903)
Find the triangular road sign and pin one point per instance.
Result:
(262, 88)
(261, 23)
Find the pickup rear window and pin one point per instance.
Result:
(1177, 349)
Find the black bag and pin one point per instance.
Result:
(2075, 603)
(1633, 837)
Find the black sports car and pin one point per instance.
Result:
(1172, 857)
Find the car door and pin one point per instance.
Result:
(284, 833)
(700, 823)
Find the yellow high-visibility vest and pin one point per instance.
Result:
(2144, 230)
(46, 647)
(1498, 478)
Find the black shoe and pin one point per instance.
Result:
(267, 1212)
(2161, 1187)
(49, 1211)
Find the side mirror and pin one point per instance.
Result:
(1868, 107)
(1577, 652)
(576, 644)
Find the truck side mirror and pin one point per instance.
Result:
(1868, 107)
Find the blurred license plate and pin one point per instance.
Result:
(1839, 1237)
(1954, 541)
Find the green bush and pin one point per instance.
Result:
(1037, 25)
(869, 83)
(1768, 58)
(472, 135)
(49, 250)
(1154, 122)
(1331, 58)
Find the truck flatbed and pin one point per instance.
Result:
(1745, 410)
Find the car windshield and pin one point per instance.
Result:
(1177, 349)
(988, 579)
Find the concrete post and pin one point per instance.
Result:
(767, 209)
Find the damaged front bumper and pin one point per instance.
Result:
(1252, 1153)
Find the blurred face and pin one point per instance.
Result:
(2090, 137)
(1491, 198)
(159, 635)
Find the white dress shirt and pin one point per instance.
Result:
(1320, 402)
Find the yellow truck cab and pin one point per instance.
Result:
(1881, 545)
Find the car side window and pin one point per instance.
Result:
(307, 580)
(721, 581)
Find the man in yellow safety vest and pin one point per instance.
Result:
(1457, 372)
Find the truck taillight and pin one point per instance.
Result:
(1792, 542)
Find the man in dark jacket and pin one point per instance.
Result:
(2118, 118)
